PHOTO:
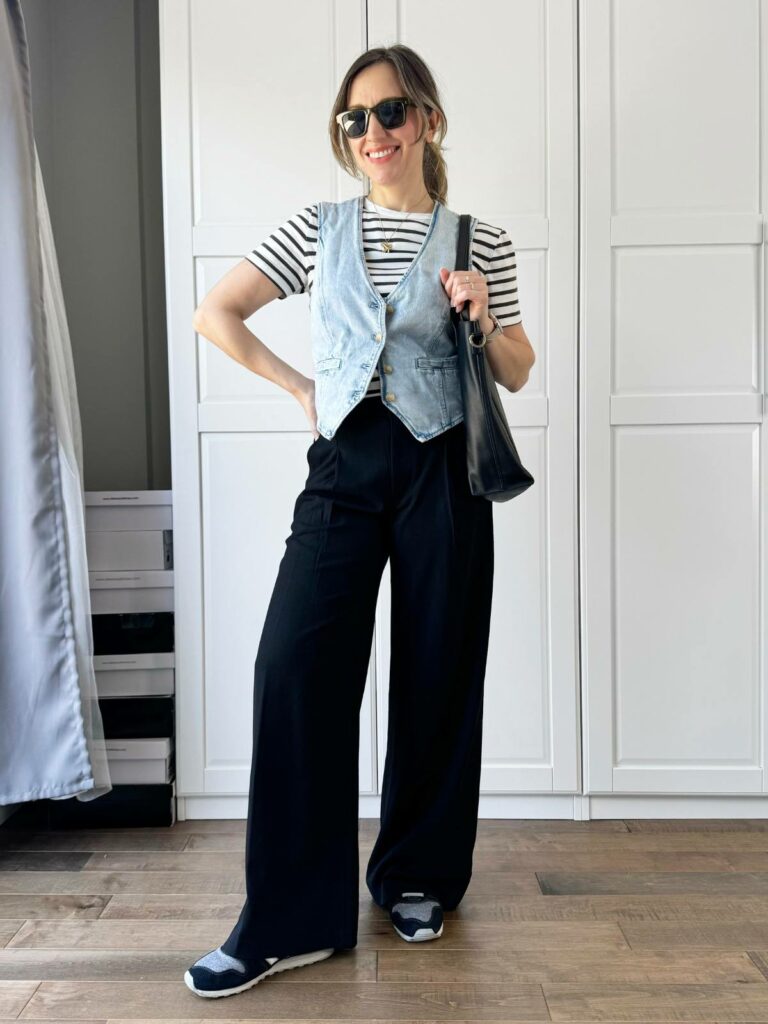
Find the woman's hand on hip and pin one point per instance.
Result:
(305, 396)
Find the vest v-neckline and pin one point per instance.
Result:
(411, 265)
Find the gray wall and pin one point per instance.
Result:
(96, 109)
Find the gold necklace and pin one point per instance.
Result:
(386, 243)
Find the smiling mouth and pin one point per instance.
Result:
(389, 151)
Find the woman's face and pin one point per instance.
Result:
(372, 84)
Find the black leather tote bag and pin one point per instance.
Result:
(494, 467)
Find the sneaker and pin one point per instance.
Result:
(417, 916)
(219, 974)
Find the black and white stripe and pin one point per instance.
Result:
(287, 257)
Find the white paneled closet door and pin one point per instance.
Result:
(246, 93)
(674, 137)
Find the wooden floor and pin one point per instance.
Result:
(563, 921)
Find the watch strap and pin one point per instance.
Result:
(497, 329)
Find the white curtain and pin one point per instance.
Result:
(51, 732)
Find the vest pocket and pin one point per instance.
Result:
(327, 365)
(445, 370)
(437, 362)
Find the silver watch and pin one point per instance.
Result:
(496, 328)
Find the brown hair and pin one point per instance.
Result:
(419, 86)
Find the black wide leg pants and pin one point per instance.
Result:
(373, 493)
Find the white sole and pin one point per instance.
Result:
(421, 935)
(282, 965)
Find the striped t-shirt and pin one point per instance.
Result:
(287, 257)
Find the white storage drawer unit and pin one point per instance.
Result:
(129, 549)
(134, 675)
(140, 760)
(131, 591)
(128, 510)
(129, 541)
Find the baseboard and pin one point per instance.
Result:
(563, 806)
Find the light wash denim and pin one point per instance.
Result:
(409, 334)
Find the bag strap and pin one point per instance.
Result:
(462, 248)
(462, 263)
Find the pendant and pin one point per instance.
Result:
(386, 246)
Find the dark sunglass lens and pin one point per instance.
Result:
(391, 113)
(354, 123)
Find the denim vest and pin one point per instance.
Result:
(409, 333)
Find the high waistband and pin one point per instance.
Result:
(375, 464)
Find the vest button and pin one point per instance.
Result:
(387, 368)
(390, 396)
(390, 309)
(377, 336)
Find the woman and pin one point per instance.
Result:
(387, 480)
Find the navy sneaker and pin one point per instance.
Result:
(417, 916)
(219, 974)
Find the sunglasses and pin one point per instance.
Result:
(390, 114)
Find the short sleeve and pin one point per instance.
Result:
(499, 264)
(287, 256)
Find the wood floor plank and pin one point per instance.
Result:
(235, 842)
(215, 842)
(49, 860)
(746, 861)
(155, 965)
(27, 905)
(192, 882)
(279, 997)
(689, 907)
(687, 842)
(14, 995)
(126, 935)
(511, 826)
(123, 881)
(630, 860)
(411, 965)
(698, 935)
(668, 825)
(232, 843)
(574, 964)
(223, 825)
(377, 933)
(149, 861)
(309, 1020)
(9, 928)
(489, 907)
(497, 861)
(588, 1004)
(155, 907)
(503, 883)
(297, 1020)
(710, 883)
(210, 825)
(88, 841)
(466, 934)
